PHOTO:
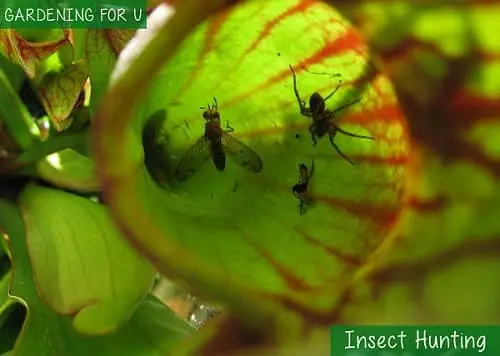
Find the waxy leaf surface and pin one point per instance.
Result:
(247, 226)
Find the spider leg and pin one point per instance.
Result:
(314, 140)
(307, 112)
(346, 105)
(312, 130)
(296, 91)
(331, 136)
(333, 92)
(347, 133)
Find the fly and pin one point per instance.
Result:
(215, 143)
(322, 118)
(300, 190)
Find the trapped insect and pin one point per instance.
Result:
(322, 118)
(300, 190)
(216, 142)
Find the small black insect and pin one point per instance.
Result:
(322, 118)
(216, 142)
(300, 190)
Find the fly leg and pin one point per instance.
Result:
(331, 136)
(302, 209)
(312, 170)
(228, 127)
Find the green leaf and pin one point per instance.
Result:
(11, 316)
(15, 115)
(56, 143)
(82, 266)
(152, 330)
(13, 72)
(5, 301)
(59, 92)
(250, 242)
(28, 54)
(69, 170)
(101, 48)
(4, 248)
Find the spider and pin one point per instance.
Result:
(322, 118)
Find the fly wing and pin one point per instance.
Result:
(303, 208)
(241, 154)
(305, 204)
(193, 159)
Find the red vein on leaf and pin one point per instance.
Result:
(398, 273)
(384, 213)
(266, 31)
(475, 246)
(476, 155)
(213, 29)
(430, 205)
(377, 212)
(335, 252)
(313, 316)
(467, 108)
(293, 282)
(118, 38)
(393, 160)
(285, 190)
(386, 115)
(38, 50)
(349, 40)
(302, 6)
(406, 48)
(346, 258)
(340, 44)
